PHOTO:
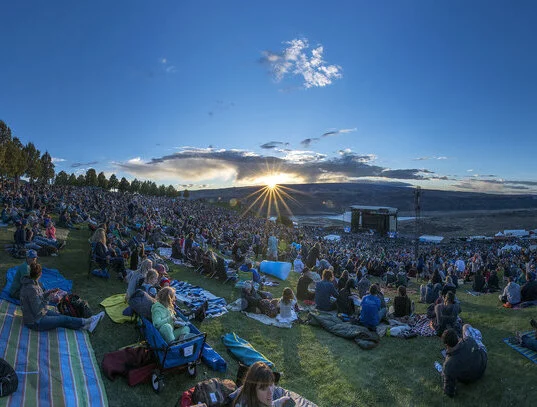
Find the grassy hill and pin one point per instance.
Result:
(328, 370)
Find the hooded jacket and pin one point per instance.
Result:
(465, 362)
(34, 305)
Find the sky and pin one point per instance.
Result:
(209, 94)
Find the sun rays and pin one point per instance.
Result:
(273, 197)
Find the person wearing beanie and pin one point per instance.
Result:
(22, 271)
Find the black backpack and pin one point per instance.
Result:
(8, 379)
(74, 306)
(213, 392)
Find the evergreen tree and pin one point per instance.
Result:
(124, 185)
(102, 181)
(91, 178)
(161, 190)
(81, 180)
(5, 139)
(47, 168)
(135, 185)
(186, 194)
(15, 159)
(113, 182)
(72, 180)
(33, 162)
(61, 178)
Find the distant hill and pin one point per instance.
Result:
(336, 198)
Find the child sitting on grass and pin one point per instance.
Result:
(287, 306)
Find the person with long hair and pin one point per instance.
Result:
(164, 318)
(258, 388)
(287, 305)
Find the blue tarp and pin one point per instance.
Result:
(51, 278)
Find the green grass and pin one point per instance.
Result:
(328, 370)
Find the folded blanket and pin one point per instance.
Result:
(51, 278)
(114, 307)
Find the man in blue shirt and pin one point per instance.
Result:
(370, 311)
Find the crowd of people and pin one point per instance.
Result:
(334, 275)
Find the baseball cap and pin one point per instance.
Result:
(31, 254)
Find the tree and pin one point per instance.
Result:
(33, 162)
(186, 194)
(5, 139)
(91, 178)
(170, 191)
(72, 180)
(162, 190)
(102, 182)
(113, 183)
(61, 178)
(124, 185)
(47, 168)
(81, 180)
(153, 189)
(135, 185)
(15, 159)
(145, 188)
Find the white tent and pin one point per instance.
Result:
(516, 232)
(431, 239)
(332, 238)
(511, 248)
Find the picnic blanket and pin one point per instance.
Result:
(194, 296)
(530, 354)
(265, 319)
(421, 325)
(55, 368)
(114, 306)
(243, 351)
(51, 278)
(165, 252)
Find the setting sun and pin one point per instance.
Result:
(274, 179)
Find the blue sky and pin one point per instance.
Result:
(223, 93)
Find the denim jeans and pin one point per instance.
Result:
(44, 241)
(54, 319)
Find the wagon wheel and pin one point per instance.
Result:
(192, 369)
(157, 381)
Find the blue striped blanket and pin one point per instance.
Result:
(55, 368)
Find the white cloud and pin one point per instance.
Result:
(295, 60)
(58, 160)
(166, 66)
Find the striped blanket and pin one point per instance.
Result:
(530, 354)
(55, 368)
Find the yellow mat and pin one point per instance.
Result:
(114, 306)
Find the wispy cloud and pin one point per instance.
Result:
(294, 60)
(307, 142)
(77, 165)
(58, 160)
(166, 66)
(434, 157)
(271, 145)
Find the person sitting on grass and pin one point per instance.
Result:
(22, 271)
(164, 319)
(493, 282)
(402, 305)
(35, 314)
(446, 314)
(303, 292)
(258, 388)
(345, 298)
(479, 285)
(511, 293)
(371, 312)
(363, 286)
(286, 305)
(448, 286)
(324, 290)
(466, 358)
(528, 292)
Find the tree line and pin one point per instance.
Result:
(18, 160)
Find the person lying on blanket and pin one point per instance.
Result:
(164, 319)
(35, 314)
(527, 341)
(258, 389)
(22, 271)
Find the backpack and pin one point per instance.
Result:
(213, 392)
(268, 308)
(74, 306)
(8, 379)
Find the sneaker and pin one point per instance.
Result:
(94, 321)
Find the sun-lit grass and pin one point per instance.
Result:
(326, 369)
